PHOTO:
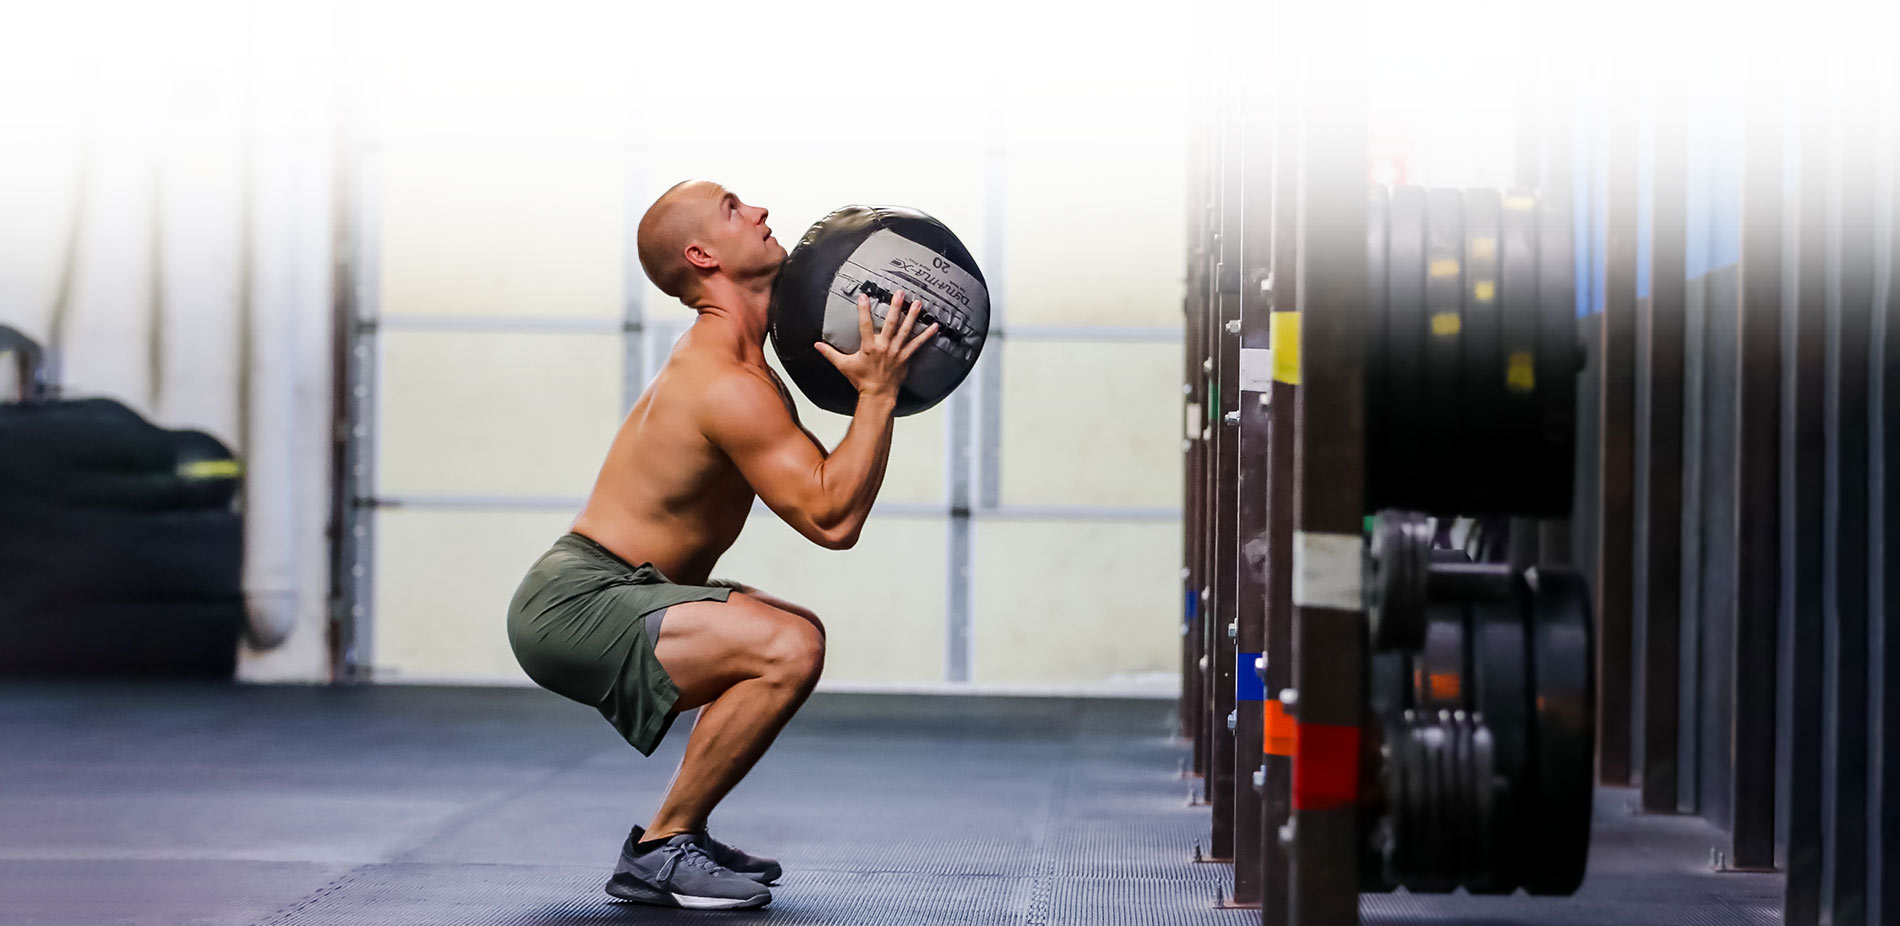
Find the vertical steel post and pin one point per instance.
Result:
(1329, 626)
(1226, 547)
(1211, 630)
(1758, 483)
(1282, 446)
(1194, 693)
(1885, 729)
(1616, 410)
(1663, 328)
(1845, 562)
(1194, 401)
(1804, 459)
(1253, 122)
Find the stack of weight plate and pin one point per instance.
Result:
(1472, 352)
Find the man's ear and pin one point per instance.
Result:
(699, 257)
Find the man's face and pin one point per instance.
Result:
(736, 233)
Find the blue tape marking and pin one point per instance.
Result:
(1193, 609)
(1248, 686)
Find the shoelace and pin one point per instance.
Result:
(690, 855)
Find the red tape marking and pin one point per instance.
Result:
(1326, 767)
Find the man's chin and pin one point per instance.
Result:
(772, 269)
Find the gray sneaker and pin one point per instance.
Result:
(681, 873)
(762, 870)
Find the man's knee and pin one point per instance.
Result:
(773, 601)
(795, 652)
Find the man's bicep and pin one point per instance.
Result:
(791, 409)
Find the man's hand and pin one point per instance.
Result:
(883, 357)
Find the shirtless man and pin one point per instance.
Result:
(623, 615)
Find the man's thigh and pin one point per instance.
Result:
(770, 600)
(707, 647)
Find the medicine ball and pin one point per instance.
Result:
(878, 250)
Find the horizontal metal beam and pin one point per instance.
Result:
(1077, 513)
(476, 502)
(513, 324)
(886, 509)
(1157, 334)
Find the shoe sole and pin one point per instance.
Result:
(638, 892)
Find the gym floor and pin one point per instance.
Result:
(170, 804)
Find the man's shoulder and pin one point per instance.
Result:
(721, 388)
(711, 373)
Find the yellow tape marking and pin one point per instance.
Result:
(1286, 348)
(1520, 372)
(1484, 248)
(1446, 324)
(212, 469)
(1484, 290)
(1444, 267)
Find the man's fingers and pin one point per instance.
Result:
(832, 354)
(866, 333)
(910, 321)
(888, 336)
(918, 341)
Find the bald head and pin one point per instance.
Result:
(670, 224)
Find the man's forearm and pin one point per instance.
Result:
(851, 475)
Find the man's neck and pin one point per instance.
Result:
(739, 314)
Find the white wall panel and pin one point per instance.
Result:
(1081, 603)
(536, 230)
(1091, 424)
(882, 602)
(443, 583)
(466, 413)
(1095, 208)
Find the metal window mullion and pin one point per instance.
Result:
(508, 324)
(976, 433)
(364, 391)
(1140, 334)
(988, 425)
(958, 552)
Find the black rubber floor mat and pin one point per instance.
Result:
(250, 806)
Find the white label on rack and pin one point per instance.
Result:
(1326, 570)
(1256, 369)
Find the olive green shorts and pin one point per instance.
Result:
(579, 628)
